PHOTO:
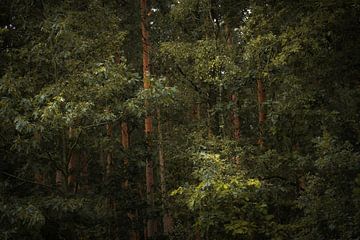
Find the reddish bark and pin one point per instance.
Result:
(235, 118)
(151, 224)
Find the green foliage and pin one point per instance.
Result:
(223, 201)
(70, 75)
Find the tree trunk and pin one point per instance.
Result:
(167, 219)
(84, 174)
(109, 160)
(125, 145)
(151, 223)
(262, 116)
(39, 176)
(59, 179)
(133, 235)
(72, 165)
(235, 118)
(61, 170)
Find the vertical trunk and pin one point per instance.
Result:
(167, 219)
(235, 118)
(133, 235)
(125, 145)
(261, 99)
(221, 114)
(198, 111)
(39, 176)
(110, 164)
(109, 160)
(161, 154)
(84, 172)
(72, 167)
(59, 178)
(151, 223)
(60, 175)
(197, 234)
(72, 164)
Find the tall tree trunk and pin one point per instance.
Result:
(73, 164)
(151, 222)
(125, 142)
(39, 175)
(235, 118)
(262, 116)
(125, 145)
(84, 174)
(109, 159)
(167, 219)
(61, 170)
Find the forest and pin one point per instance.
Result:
(179, 120)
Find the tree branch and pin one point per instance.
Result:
(26, 180)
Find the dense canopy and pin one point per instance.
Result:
(179, 119)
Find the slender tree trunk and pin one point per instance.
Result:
(262, 116)
(197, 234)
(125, 145)
(235, 118)
(39, 175)
(161, 154)
(125, 142)
(72, 169)
(167, 219)
(59, 179)
(84, 174)
(73, 164)
(151, 222)
(109, 159)
(59, 175)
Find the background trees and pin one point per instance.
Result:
(236, 164)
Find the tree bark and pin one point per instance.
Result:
(167, 219)
(151, 224)
(84, 174)
(39, 175)
(109, 159)
(262, 116)
(235, 118)
(72, 165)
(125, 142)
